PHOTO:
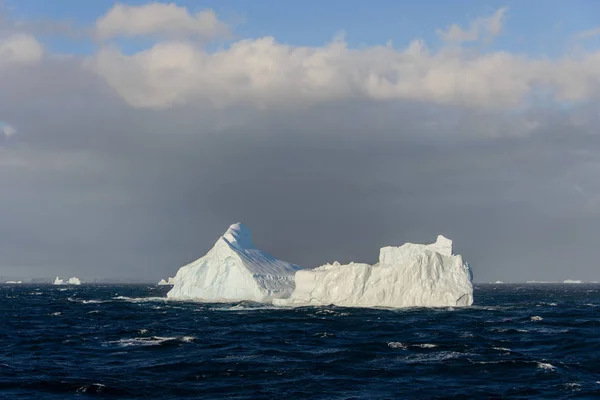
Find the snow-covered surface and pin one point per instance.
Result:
(71, 281)
(234, 269)
(169, 281)
(406, 276)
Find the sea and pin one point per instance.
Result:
(129, 342)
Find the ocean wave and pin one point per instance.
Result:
(92, 388)
(546, 366)
(574, 386)
(142, 299)
(435, 357)
(152, 340)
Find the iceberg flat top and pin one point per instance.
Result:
(411, 275)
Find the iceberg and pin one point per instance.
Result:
(14, 282)
(412, 275)
(572, 281)
(71, 281)
(169, 281)
(234, 269)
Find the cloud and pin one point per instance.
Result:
(326, 152)
(158, 19)
(265, 72)
(588, 34)
(8, 130)
(488, 27)
(20, 49)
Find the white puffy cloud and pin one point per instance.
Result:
(8, 130)
(480, 27)
(20, 49)
(265, 72)
(158, 18)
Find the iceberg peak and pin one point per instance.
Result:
(239, 235)
(234, 270)
(442, 245)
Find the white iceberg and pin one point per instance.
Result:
(412, 275)
(14, 282)
(572, 281)
(71, 281)
(234, 270)
(169, 281)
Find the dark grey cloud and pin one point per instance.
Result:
(94, 188)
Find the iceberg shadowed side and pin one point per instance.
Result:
(234, 270)
(412, 275)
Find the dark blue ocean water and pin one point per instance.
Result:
(126, 342)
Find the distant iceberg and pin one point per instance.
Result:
(412, 275)
(169, 281)
(71, 281)
(234, 269)
(572, 281)
(14, 282)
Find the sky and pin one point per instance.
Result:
(133, 133)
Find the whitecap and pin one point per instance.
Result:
(536, 318)
(426, 345)
(501, 349)
(152, 340)
(56, 314)
(397, 345)
(95, 387)
(140, 299)
(546, 366)
(573, 386)
(435, 356)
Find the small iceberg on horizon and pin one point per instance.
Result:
(70, 281)
(169, 281)
(572, 281)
